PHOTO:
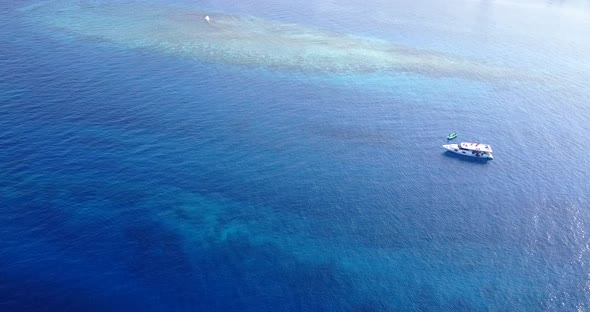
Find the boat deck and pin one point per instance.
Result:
(474, 146)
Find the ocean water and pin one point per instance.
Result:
(287, 156)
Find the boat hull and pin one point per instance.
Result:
(454, 148)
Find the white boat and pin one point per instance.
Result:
(471, 149)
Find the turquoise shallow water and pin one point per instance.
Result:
(149, 163)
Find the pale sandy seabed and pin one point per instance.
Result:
(250, 41)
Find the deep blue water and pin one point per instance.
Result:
(134, 179)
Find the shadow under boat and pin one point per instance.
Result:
(466, 158)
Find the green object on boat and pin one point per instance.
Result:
(452, 136)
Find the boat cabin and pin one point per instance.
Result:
(476, 147)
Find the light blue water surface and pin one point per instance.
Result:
(136, 179)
